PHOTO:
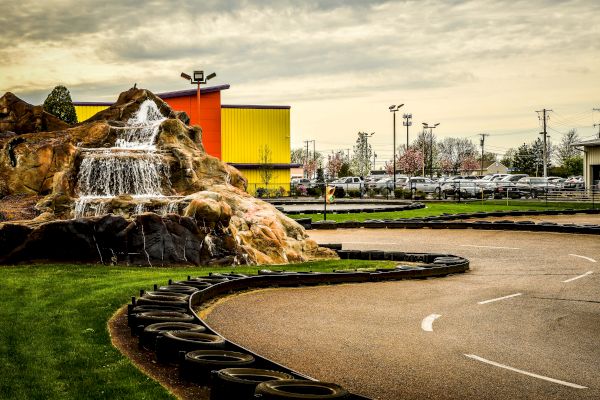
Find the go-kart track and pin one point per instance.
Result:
(523, 323)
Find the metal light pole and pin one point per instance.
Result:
(431, 127)
(393, 110)
(198, 79)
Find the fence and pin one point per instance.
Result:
(460, 192)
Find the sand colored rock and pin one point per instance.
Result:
(201, 215)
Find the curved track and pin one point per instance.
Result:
(523, 324)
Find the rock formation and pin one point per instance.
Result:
(18, 117)
(134, 185)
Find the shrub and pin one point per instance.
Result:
(262, 192)
(402, 193)
(314, 191)
(339, 192)
(59, 104)
(371, 193)
(353, 193)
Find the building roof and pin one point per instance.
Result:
(588, 143)
(494, 164)
(192, 92)
(255, 106)
(92, 103)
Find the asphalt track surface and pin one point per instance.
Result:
(441, 338)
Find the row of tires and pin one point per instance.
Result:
(165, 323)
(411, 206)
(489, 225)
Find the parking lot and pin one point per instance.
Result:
(522, 324)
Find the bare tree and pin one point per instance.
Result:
(565, 149)
(453, 151)
(266, 168)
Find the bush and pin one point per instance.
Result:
(353, 193)
(419, 195)
(402, 194)
(339, 193)
(262, 192)
(371, 193)
(314, 191)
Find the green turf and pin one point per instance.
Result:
(438, 208)
(54, 343)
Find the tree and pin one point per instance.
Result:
(508, 158)
(573, 165)
(297, 156)
(537, 148)
(524, 160)
(426, 143)
(345, 170)
(565, 150)
(334, 163)
(266, 169)
(488, 158)
(410, 161)
(453, 151)
(363, 153)
(470, 163)
(59, 104)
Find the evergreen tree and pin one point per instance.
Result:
(524, 160)
(59, 104)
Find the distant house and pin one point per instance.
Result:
(493, 168)
(591, 162)
(496, 168)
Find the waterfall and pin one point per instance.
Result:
(132, 167)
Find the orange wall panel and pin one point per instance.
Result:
(209, 121)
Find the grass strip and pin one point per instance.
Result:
(54, 339)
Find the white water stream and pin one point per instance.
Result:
(132, 167)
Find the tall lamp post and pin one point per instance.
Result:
(198, 79)
(430, 127)
(393, 110)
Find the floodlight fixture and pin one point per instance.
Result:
(186, 76)
(210, 76)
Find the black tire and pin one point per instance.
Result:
(240, 383)
(194, 283)
(178, 289)
(197, 365)
(166, 296)
(150, 333)
(145, 308)
(169, 344)
(154, 317)
(154, 301)
(300, 389)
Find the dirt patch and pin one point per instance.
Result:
(18, 207)
(145, 361)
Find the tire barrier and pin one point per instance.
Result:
(298, 389)
(358, 210)
(457, 221)
(147, 336)
(181, 339)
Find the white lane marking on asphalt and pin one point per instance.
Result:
(427, 323)
(584, 257)
(579, 276)
(573, 385)
(500, 298)
(491, 247)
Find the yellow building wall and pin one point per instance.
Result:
(86, 112)
(245, 130)
(280, 181)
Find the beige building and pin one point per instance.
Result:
(496, 168)
(591, 162)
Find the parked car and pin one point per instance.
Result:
(466, 188)
(535, 186)
(419, 183)
(349, 183)
(574, 183)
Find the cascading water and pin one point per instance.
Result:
(132, 167)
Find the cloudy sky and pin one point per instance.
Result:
(473, 66)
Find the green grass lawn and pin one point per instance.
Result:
(54, 342)
(437, 208)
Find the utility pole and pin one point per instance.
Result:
(393, 110)
(482, 142)
(374, 158)
(407, 123)
(348, 155)
(364, 141)
(426, 125)
(545, 133)
(306, 157)
(597, 125)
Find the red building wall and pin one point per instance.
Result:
(210, 115)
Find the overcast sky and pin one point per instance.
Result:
(473, 66)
